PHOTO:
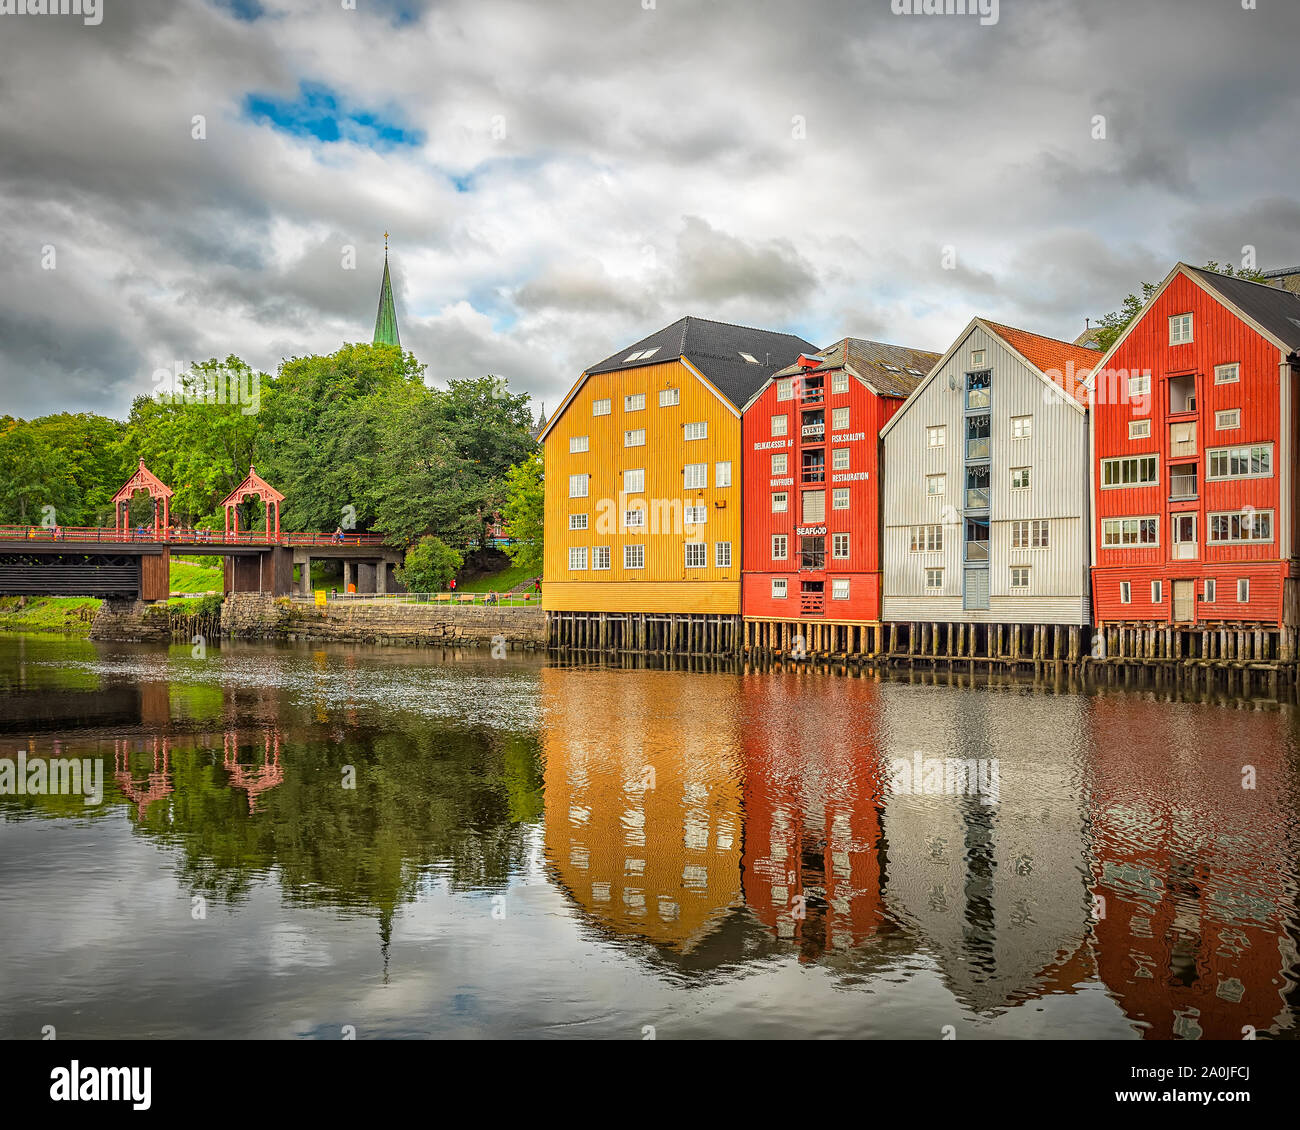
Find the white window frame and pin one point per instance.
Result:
(1177, 323)
(695, 515)
(634, 402)
(1227, 452)
(634, 481)
(602, 407)
(1022, 427)
(780, 502)
(1243, 590)
(839, 458)
(1139, 429)
(1157, 592)
(696, 429)
(780, 464)
(634, 437)
(939, 431)
(1027, 477)
(577, 558)
(780, 588)
(695, 476)
(785, 388)
(838, 540)
(579, 481)
(1227, 374)
(1227, 420)
(977, 359)
(579, 444)
(839, 382)
(634, 551)
(1230, 515)
(600, 553)
(722, 473)
(1139, 385)
(1126, 592)
(696, 555)
(1139, 461)
(839, 498)
(1116, 525)
(639, 523)
(934, 578)
(669, 397)
(931, 480)
(839, 588)
(927, 538)
(780, 547)
(1209, 591)
(839, 419)
(577, 521)
(781, 424)
(1017, 571)
(722, 555)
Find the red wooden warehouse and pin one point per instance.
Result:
(1194, 432)
(811, 443)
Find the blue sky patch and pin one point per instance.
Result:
(319, 112)
(247, 10)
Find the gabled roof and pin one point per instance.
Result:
(1274, 308)
(888, 370)
(718, 350)
(253, 486)
(142, 479)
(1050, 356)
(1046, 351)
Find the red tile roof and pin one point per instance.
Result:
(1051, 357)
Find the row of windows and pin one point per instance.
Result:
(839, 384)
(839, 499)
(1224, 421)
(839, 547)
(1209, 591)
(635, 401)
(695, 476)
(1033, 533)
(1022, 427)
(839, 422)
(1226, 527)
(696, 556)
(839, 588)
(1249, 461)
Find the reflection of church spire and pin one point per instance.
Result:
(385, 934)
(386, 319)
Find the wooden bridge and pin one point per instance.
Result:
(126, 562)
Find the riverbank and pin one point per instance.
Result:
(64, 615)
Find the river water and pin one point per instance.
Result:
(301, 841)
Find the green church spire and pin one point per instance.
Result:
(386, 319)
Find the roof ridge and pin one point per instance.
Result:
(1239, 278)
(1035, 333)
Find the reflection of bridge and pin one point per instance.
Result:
(135, 563)
(252, 780)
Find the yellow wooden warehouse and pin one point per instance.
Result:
(643, 462)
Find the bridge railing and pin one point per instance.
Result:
(186, 537)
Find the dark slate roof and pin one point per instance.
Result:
(871, 360)
(1277, 310)
(715, 349)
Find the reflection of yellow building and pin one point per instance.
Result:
(643, 808)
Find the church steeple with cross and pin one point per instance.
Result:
(386, 319)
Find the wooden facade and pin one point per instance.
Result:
(1194, 443)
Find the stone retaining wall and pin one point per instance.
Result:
(418, 624)
(132, 621)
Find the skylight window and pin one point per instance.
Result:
(649, 352)
(916, 372)
(632, 356)
(640, 355)
(750, 358)
(892, 368)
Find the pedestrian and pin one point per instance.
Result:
(453, 584)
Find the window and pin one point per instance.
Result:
(669, 397)
(778, 588)
(634, 402)
(1140, 470)
(934, 578)
(1180, 329)
(1022, 427)
(1243, 590)
(840, 588)
(634, 481)
(578, 444)
(695, 515)
(577, 557)
(1242, 525)
(1117, 532)
(839, 418)
(977, 359)
(840, 546)
(1139, 385)
(780, 547)
(696, 476)
(634, 438)
(840, 459)
(1030, 535)
(1227, 374)
(634, 519)
(697, 430)
(1019, 478)
(839, 381)
(780, 502)
(936, 484)
(640, 354)
(1125, 592)
(634, 557)
(1020, 576)
(1139, 429)
(1227, 420)
(722, 474)
(977, 389)
(1209, 590)
(1157, 592)
(840, 498)
(577, 521)
(600, 557)
(780, 465)
(1252, 462)
(722, 554)
(814, 507)
(696, 554)
(936, 435)
(578, 486)
(780, 425)
(785, 389)
(601, 407)
(927, 539)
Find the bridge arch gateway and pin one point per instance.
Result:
(253, 486)
(142, 480)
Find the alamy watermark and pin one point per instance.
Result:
(945, 776)
(177, 385)
(987, 10)
(52, 776)
(90, 11)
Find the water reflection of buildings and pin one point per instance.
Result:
(812, 810)
(253, 779)
(643, 799)
(157, 782)
(1197, 891)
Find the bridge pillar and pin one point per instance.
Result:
(349, 574)
(365, 576)
(381, 577)
(304, 577)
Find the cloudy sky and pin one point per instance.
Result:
(562, 177)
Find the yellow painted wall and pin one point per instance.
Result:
(665, 584)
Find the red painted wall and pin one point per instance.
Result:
(1219, 337)
(868, 413)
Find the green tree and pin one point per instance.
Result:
(1112, 325)
(524, 512)
(430, 563)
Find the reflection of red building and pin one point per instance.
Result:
(1192, 936)
(253, 779)
(157, 784)
(812, 787)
